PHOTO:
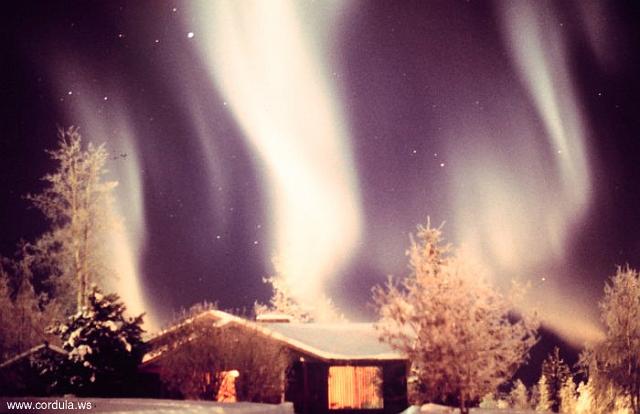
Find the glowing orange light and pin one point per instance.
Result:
(355, 387)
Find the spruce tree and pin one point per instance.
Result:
(104, 347)
(556, 372)
(568, 398)
(518, 397)
(544, 401)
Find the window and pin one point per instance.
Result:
(227, 389)
(355, 387)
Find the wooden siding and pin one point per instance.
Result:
(308, 380)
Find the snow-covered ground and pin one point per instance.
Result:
(130, 405)
(441, 409)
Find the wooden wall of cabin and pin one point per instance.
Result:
(394, 388)
(307, 387)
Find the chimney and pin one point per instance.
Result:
(273, 317)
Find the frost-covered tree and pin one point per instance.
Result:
(24, 316)
(458, 331)
(6, 317)
(583, 401)
(488, 401)
(605, 401)
(613, 365)
(77, 202)
(518, 398)
(283, 301)
(534, 396)
(568, 396)
(556, 372)
(544, 400)
(104, 347)
(29, 319)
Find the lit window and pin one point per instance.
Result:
(355, 387)
(227, 390)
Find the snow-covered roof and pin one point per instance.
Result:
(31, 351)
(337, 341)
(346, 341)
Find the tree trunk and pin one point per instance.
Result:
(463, 408)
(80, 276)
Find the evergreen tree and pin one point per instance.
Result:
(568, 396)
(518, 397)
(488, 401)
(544, 400)
(556, 372)
(104, 347)
(535, 396)
(584, 403)
(454, 327)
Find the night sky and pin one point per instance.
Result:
(324, 133)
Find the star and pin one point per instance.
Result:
(190, 35)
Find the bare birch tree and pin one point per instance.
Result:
(77, 202)
(456, 329)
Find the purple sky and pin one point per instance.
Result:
(517, 125)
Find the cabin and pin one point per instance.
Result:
(330, 368)
(28, 373)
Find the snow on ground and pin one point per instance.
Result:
(147, 406)
(441, 409)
